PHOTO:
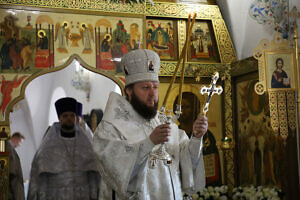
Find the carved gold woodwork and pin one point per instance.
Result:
(282, 99)
(228, 154)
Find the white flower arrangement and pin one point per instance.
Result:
(238, 193)
(256, 193)
(210, 193)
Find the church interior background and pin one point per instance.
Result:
(52, 49)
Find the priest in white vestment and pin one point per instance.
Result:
(64, 167)
(130, 132)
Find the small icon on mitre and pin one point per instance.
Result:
(151, 66)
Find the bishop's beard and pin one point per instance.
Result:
(142, 109)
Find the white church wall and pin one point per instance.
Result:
(245, 32)
(22, 123)
(101, 86)
(38, 96)
(30, 118)
(36, 112)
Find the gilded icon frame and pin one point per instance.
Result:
(203, 46)
(273, 80)
(159, 30)
(266, 53)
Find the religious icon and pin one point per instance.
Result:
(15, 48)
(280, 70)
(203, 44)
(135, 36)
(114, 38)
(43, 40)
(7, 89)
(211, 159)
(3, 134)
(280, 78)
(256, 141)
(151, 66)
(62, 36)
(86, 32)
(161, 38)
(42, 54)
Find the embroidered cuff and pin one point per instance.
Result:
(146, 146)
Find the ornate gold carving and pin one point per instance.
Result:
(282, 110)
(4, 131)
(228, 104)
(259, 88)
(282, 101)
(229, 168)
(273, 110)
(164, 9)
(225, 46)
(229, 154)
(282, 117)
(244, 66)
(4, 135)
(192, 69)
(291, 109)
(266, 48)
(96, 5)
(181, 34)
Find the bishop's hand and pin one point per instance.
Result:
(160, 134)
(200, 126)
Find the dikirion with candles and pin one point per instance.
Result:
(142, 154)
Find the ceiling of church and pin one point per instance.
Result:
(245, 28)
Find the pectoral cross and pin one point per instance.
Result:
(210, 91)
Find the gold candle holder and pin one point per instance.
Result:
(227, 143)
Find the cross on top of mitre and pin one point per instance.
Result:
(210, 91)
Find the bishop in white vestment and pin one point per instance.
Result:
(130, 133)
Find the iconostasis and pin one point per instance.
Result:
(43, 38)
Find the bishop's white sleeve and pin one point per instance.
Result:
(118, 160)
(191, 164)
(145, 148)
(195, 148)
